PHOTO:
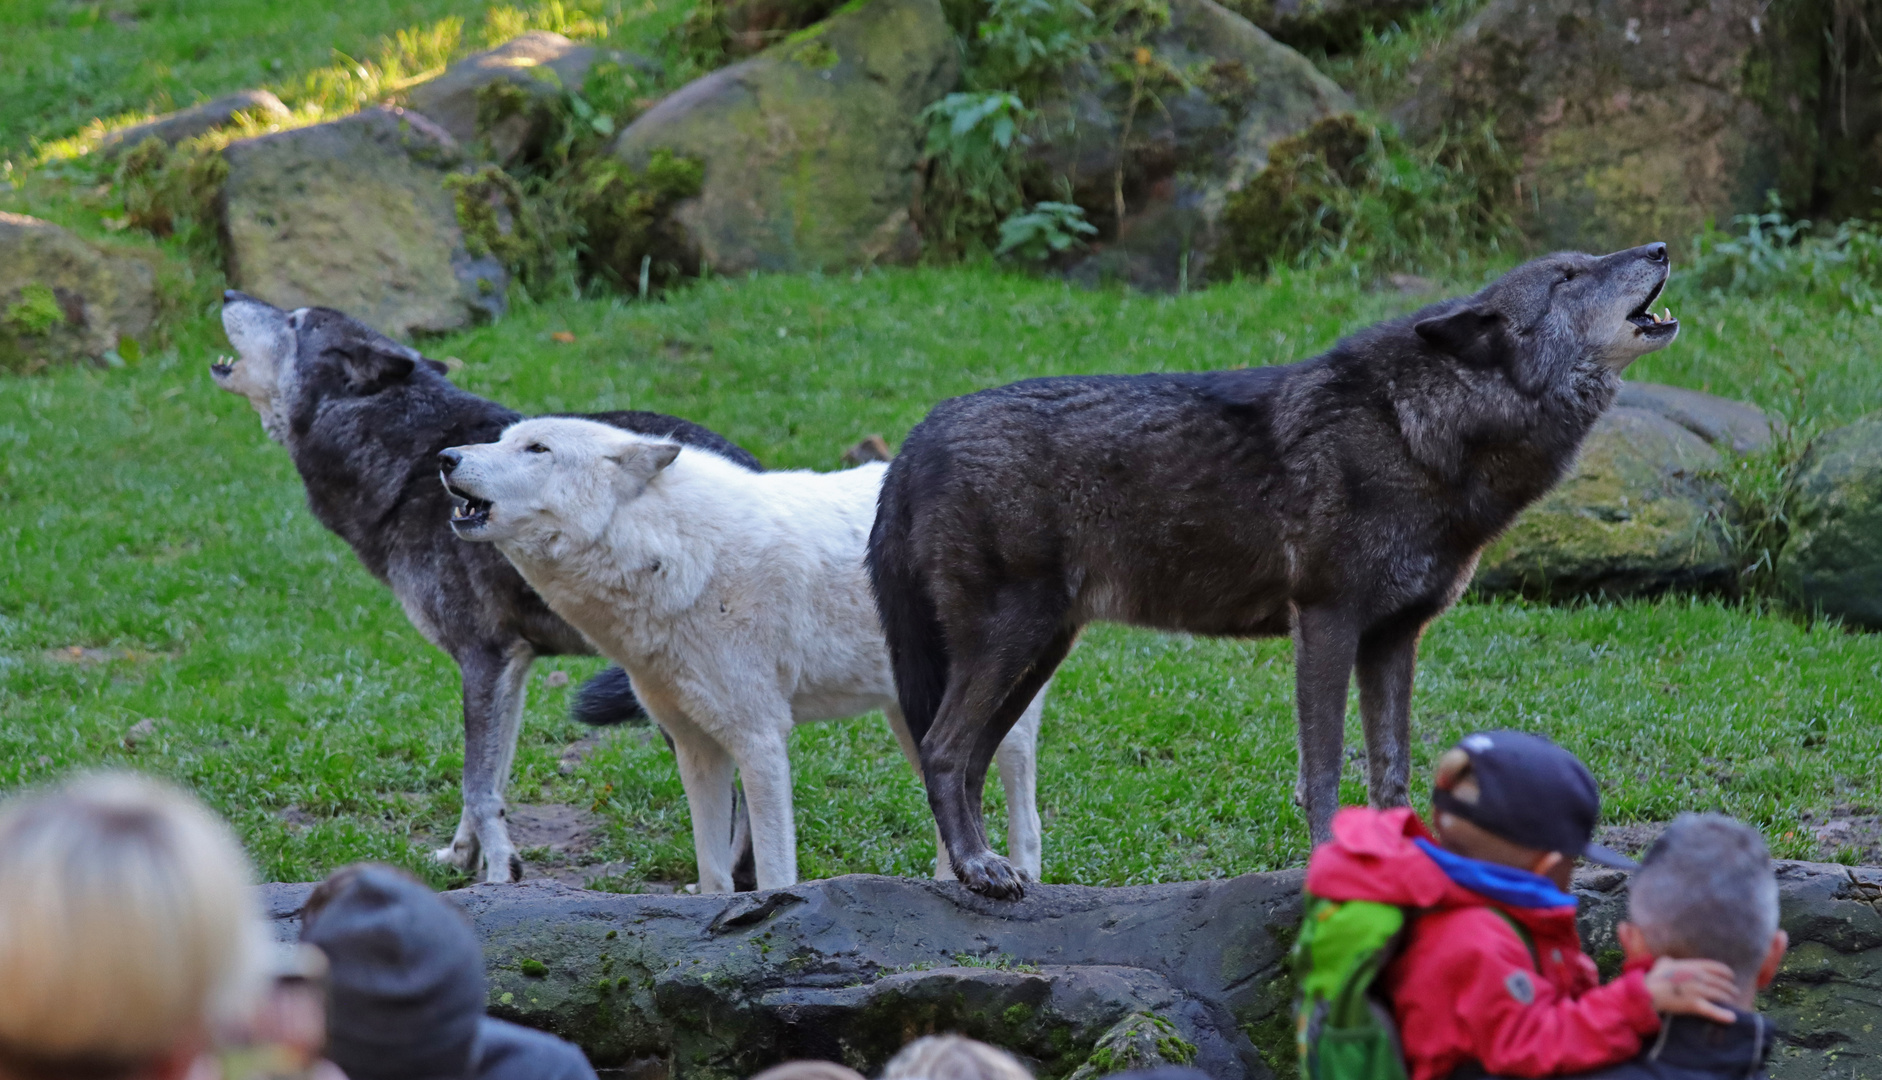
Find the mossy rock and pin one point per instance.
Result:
(1225, 94)
(1636, 120)
(1139, 1041)
(810, 149)
(1833, 559)
(1637, 516)
(185, 124)
(499, 99)
(1329, 26)
(355, 215)
(63, 299)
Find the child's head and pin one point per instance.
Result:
(1706, 891)
(1518, 800)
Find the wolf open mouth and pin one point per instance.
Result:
(223, 367)
(467, 510)
(1650, 323)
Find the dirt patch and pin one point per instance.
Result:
(558, 841)
(1846, 834)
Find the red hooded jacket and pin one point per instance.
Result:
(1465, 988)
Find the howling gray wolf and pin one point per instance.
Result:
(736, 601)
(1343, 499)
(363, 418)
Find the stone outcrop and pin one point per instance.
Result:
(810, 148)
(354, 215)
(186, 124)
(1726, 424)
(851, 968)
(1636, 516)
(63, 299)
(1187, 149)
(1832, 561)
(1634, 120)
(499, 98)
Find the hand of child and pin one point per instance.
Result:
(1694, 987)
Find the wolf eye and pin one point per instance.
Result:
(1568, 273)
(536, 448)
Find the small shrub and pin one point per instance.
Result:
(172, 191)
(1023, 44)
(1771, 252)
(974, 181)
(498, 217)
(1050, 228)
(622, 212)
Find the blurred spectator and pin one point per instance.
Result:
(809, 1070)
(129, 931)
(405, 989)
(953, 1057)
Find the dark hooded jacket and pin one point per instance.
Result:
(1693, 1048)
(405, 997)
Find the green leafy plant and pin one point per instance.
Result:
(974, 180)
(622, 212)
(1772, 252)
(1048, 229)
(1022, 44)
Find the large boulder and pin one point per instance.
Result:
(197, 120)
(63, 299)
(1070, 978)
(1833, 559)
(1634, 120)
(354, 215)
(501, 96)
(810, 148)
(1636, 516)
(1188, 148)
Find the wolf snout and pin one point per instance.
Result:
(1655, 252)
(236, 296)
(448, 460)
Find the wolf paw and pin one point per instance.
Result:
(990, 875)
(462, 856)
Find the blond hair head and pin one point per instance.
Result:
(128, 926)
(953, 1057)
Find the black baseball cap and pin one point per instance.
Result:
(1534, 793)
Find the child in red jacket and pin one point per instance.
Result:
(1470, 994)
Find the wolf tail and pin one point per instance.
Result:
(607, 699)
(917, 647)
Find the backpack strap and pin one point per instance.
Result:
(1522, 934)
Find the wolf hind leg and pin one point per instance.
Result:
(943, 870)
(1387, 663)
(1018, 758)
(494, 683)
(989, 688)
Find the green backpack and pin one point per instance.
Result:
(1343, 1029)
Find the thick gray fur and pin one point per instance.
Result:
(1343, 500)
(364, 418)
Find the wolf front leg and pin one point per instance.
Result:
(764, 764)
(706, 775)
(494, 684)
(1325, 641)
(1388, 659)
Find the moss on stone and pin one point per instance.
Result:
(1139, 1041)
(624, 212)
(35, 312)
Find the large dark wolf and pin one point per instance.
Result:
(1343, 499)
(364, 418)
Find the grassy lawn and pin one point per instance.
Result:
(146, 522)
(157, 562)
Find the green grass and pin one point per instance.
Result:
(144, 517)
(146, 522)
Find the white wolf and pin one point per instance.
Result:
(736, 601)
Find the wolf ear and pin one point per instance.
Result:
(641, 462)
(1475, 335)
(376, 363)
